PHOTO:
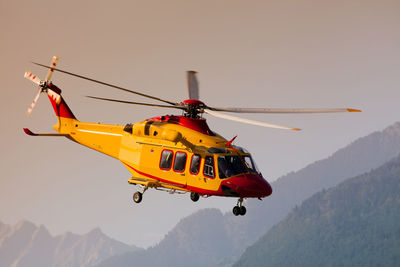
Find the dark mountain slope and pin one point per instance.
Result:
(353, 224)
(290, 190)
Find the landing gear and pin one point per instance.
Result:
(239, 209)
(137, 197)
(242, 210)
(194, 196)
(236, 211)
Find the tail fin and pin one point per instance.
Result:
(65, 118)
(60, 107)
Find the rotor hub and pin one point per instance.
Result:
(193, 108)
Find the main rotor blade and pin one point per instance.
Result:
(285, 110)
(107, 84)
(134, 103)
(259, 123)
(193, 85)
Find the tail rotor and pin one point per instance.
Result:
(42, 84)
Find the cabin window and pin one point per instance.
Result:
(180, 161)
(166, 159)
(195, 164)
(209, 167)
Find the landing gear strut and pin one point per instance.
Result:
(239, 209)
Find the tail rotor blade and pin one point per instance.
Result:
(28, 75)
(29, 111)
(238, 119)
(193, 85)
(51, 70)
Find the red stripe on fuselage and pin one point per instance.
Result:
(189, 188)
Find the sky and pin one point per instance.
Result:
(271, 53)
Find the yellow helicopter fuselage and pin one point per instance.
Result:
(139, 147)
(169, 152)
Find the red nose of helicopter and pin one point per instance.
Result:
(247, 185)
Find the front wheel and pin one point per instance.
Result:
(236, 210)
(242, 210)
(194, 196)
(137, 197)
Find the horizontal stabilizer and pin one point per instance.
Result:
(29, 132)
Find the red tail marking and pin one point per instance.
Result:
(61, 109)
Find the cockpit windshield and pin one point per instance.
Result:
(251, 164)
(229, 166)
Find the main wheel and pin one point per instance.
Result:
(236, 210)
(194, 196)
(242, 210)
(137, 197)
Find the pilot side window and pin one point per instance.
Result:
(166, 159)
(195, 164)
(180, 161)
(209, 167)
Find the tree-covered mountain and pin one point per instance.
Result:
(25, 244)
(237, 233)
(353, 224)
(290, 190)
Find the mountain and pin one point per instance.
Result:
(192, 242)
(353, 224)
(290, 190)
(25, 244)
(237, 233)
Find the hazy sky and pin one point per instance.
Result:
(248, 54)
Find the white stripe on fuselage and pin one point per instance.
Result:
(96, 132)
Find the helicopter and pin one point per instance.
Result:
(173, 153)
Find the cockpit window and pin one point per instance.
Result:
(251, 164)
(229, 166)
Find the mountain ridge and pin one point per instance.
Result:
(358, 157)
(25, 244)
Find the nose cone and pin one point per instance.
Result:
(267, 189)
(249, 185)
